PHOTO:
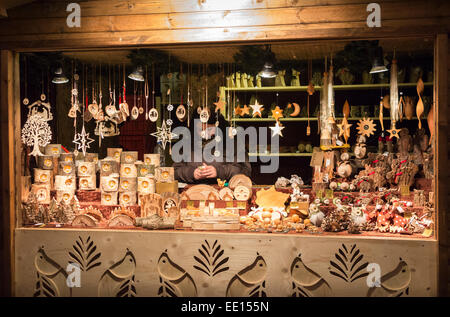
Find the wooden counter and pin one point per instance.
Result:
(156, 263)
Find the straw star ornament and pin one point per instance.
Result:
(257, 108)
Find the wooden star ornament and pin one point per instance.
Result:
(277, 113)
(237, 111)
(344, 129)
(257, 108)
(245, 110)
(219, 105)
(393, 132)
(276, 130)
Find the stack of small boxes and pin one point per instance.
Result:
(65, 181)
(109, 176)
(43, 174)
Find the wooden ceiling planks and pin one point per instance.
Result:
(140, 22)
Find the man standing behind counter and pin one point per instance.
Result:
(207, 173)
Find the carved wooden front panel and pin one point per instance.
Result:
(146, 263)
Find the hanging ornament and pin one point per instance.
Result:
(277, 113)
(366, 127)
(25, 100)
(419, 107)
(344, 129)
(237, 110)
(153, 115)
(83, 141)
(380, 117)
(245, 110)
(164, 135)
(124, 108)
(393, 132)
(257, 108)
(134, 110)
(36, 132)
(181, 113)
(276, 130)
(394, 111)
(204, 115)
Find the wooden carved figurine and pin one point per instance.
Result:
(279, 80)
(405, 142)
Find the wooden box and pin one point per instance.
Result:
(128, 157)
(128, 184)
(64, 195)
(91, 157)
(146, 185)
(114, 153)
(87, 182)
(109, 183)
(145, 170)
(67, 157)
(42, 192)
(45, 162)
(66, 168)
(165, 174)
(128, 170)
(65, 182)
(215, 223)
(86, 169)
(109, 198)
(108, 167)
(171, 187)
(152, 159)
(127, 198)
(43, 176)
(53, 149)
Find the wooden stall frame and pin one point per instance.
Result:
(435, 24)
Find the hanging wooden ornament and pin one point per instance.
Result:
(394, 109)
(310, 91)
(346, 109)
(124, 108)
(40, 108)
(296, 109)
(164, 134)
(36, 132)
(419, 107)
(204, 115)
(237, 110)
(344, 129)
(380, 117)
(83, 141)
(181, 113)
(245, 110)
(366, 127)
(153, 113)
(257, 108)
(220, 104)
(276, 130)
(393, 132)
(135, 109)
(277, 113)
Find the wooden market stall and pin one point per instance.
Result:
(154, 258)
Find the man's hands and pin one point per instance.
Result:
(205, 171)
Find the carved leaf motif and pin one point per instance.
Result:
(45, 287)
(349, 265)
(127, 289)
(211, 260)
(84, 253)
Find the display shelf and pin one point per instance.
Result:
(279, 154)
(305, 119)
(336, 87)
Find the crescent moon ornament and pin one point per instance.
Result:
(296, 109)
(181, 113)
(153, 115)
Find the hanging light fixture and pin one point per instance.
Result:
(137, 74)
(59, 78)
(268, 69)
(378, 66)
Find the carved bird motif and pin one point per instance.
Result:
(308, 282)
(118, 280)
(249, 282)
(51, 277)
(175, 277)
(394, 283)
